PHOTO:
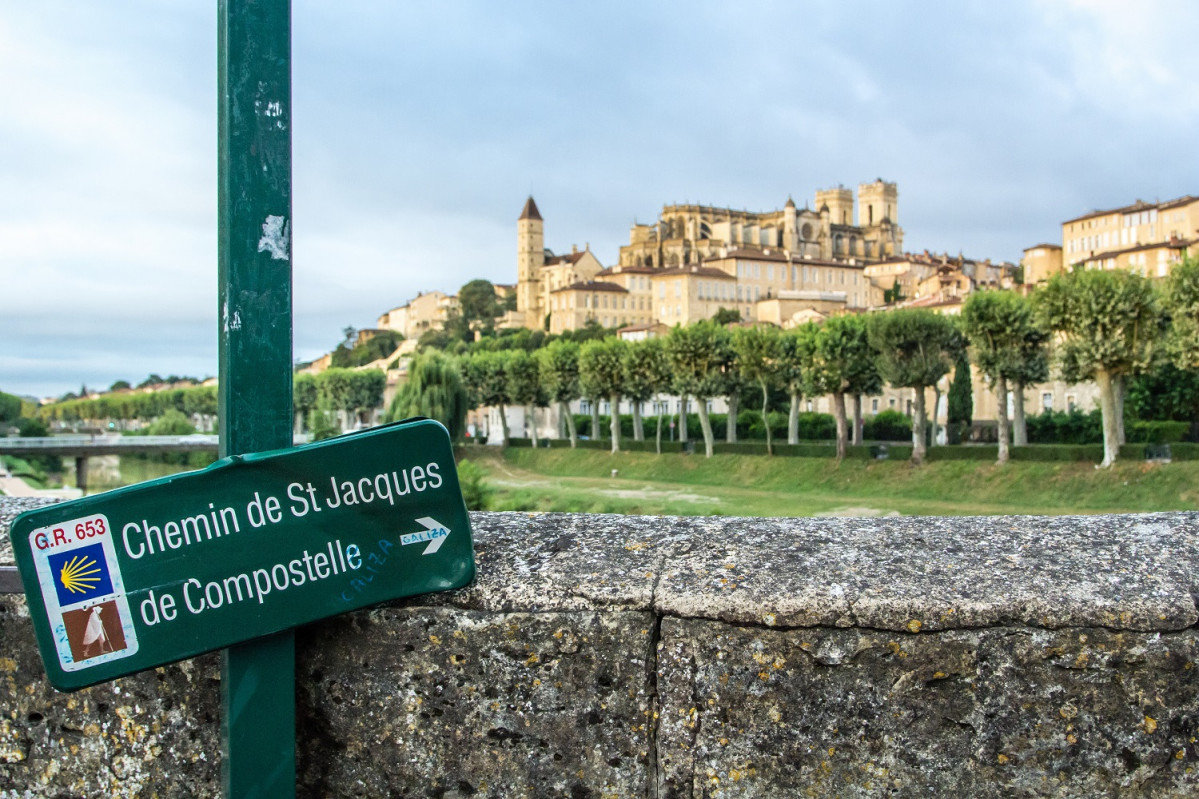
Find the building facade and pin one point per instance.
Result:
(1147, 238)
(426, 311)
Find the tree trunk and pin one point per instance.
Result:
(682, 417)
(858, 422)
(1019, 426)
(638, 430)
(1119, 389)
(793, 420)
(658, 442)
(766, 421)
(504, 426)
(702, 406)
(1001, 411)
(595, 425)
(842, 431)
(918, 423)
(570, 424)
(531, 415)
(1108, 405)
(730, 426)
(614, 423)
(936, 412)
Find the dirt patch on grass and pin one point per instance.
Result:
(650, 492)
(867, 513)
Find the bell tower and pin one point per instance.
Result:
(530, 258)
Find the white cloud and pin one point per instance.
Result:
(1129, 57)
(420, 130)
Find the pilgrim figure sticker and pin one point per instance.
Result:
(94, 631)
(81, 584)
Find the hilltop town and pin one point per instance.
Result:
(785, 268)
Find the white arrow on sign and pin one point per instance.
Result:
(435, 532)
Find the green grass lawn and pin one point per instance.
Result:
(581, 480)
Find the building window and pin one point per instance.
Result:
(874, 405)
(1071, 402)
(585, 406)
(1046, 401)
(810, 406)
(892, 402)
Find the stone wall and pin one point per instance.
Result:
(608, 656)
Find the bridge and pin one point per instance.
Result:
(85, 445)
(81, 447)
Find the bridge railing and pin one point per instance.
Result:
(199, 441)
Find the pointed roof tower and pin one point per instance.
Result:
(530, 210)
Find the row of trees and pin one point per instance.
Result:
(198, 402)
(845, 357)
(1106, 326)
(346, 392)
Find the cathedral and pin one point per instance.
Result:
(686, 234)
(708, 247)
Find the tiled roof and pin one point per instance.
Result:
(592, 285)
(570, 258)
(635, 270)
(1139, 205)
(757, 255)
(701, 271)
(1176, 244)
(530, 210)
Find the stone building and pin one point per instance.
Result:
(426, 311)
(698, 259)
(540, 273)
(688, 234)
(1148, 238)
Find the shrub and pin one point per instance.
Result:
(1065, 427)
(887, 425)
(475, 490)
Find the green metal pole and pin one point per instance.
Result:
(254, 307)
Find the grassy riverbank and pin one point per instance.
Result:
(581, 480)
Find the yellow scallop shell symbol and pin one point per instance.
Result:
(80, 574)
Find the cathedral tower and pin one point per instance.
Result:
(840, 205)
(878, 201)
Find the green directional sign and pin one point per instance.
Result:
(252, 545)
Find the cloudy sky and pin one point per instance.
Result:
(420, 128)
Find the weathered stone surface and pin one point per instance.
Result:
(10, 507)
(151, 734)
(610, 656)
(924, 573)
(568, 561)
(1002, 712)
(462, 703)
